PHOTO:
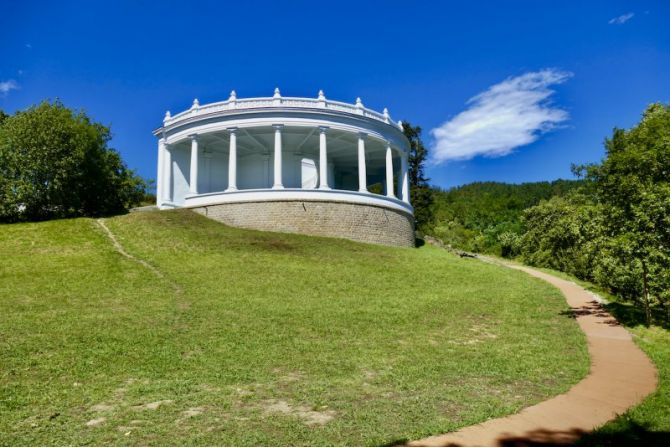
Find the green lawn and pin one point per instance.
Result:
(254, 338)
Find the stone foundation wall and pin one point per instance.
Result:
(362, 223)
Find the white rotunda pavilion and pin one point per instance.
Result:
(305, 165)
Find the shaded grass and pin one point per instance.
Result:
(392, 343)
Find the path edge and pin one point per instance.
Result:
(614, 384)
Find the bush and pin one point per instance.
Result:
(510, 243)
(55, 162)
(563, 233)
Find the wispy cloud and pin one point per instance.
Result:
(7, 86)
(29, 46)
(621, 19)
(512, 113)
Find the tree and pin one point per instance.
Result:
(421, 195)
(55, 162)
(563, 233)
(633, 186)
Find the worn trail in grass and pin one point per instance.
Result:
(271, 339)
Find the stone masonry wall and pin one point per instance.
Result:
(362, 223)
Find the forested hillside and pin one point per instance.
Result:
(611, 228)
(473, 217)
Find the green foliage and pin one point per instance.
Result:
(618, 269)
(474, 217)
(55, 162)
(510, 243)
(611, 227)
(633, 186)
(421, 195)
(562, 233)
(616, 231)
(376, 188)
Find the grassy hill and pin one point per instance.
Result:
(235, 337)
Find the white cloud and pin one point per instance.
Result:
(621, 19)
(7, 86)
(507, 115)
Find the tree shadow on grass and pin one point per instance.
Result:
(627, 434)
(624, 432)
(629, 315)
(395, 443)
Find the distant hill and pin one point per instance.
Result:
(472, 216)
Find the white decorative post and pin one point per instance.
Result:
(278, 184)
(323, 159)
(276, 98)
(167, 175)
(389, 171)
(232, 101)
(405, 178)
(193, 180)
(159, 173)
(362, 174)
(359, 106)
(321, 99)
(232, 160)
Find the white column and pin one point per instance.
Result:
(193, 179)
(389, 171)
(232, 160)
(278, 176)
(362, 175)
(405, 178)
(159, 172)
(167, 177)
(323, 159)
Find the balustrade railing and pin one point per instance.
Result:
(233, 104)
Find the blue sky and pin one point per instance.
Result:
(516, 91)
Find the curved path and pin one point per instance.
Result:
(621, 376)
